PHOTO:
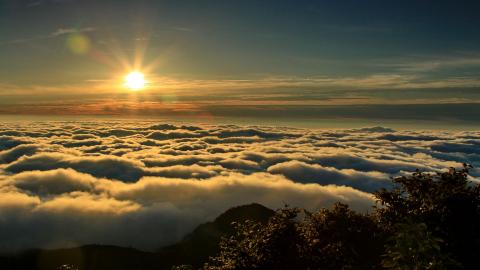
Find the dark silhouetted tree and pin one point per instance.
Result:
(341, 238)
(445, 205)
(256, 246)
(426, 221)
(297, 239)
(413, 247)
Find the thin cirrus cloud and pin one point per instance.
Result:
(58, 177)
(392, 80)
(166, 96)
(57, 33)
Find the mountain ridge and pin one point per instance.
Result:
(194, 249)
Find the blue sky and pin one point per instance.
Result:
(310, 53)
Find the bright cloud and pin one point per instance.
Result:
(145, 184)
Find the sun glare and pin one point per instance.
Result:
(135, 80)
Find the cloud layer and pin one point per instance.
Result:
(147, 184)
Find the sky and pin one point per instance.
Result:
(301, 59)
(304, 103)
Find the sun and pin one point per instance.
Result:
(135, 80)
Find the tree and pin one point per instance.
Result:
(446, 203)
(297, 239)
(426, 221)
(272, 246)
(341, 239)
(413, 247)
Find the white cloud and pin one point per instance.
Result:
(147, 184)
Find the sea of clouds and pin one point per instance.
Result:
(146, 184)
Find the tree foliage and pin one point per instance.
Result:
(427, 221)
(446, 203)
(414, 247)
(297, 239)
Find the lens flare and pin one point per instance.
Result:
(78, 43)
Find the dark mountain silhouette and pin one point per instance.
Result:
(194, 249)
(197, 246)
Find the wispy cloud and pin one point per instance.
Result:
(263, 90)
(34, 4)
(57, 33)
(357, 28)
(181, 29)
(66, 31)
(430, 63)
(374, 81)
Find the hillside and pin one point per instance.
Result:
(194, 249)
(197, 246)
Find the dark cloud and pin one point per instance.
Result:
(366, 164)
(104, 166)
(16, 152)
(396, 137)
(79, 143)
(157, 135)
(374, 130)
(467, 147)
(53, 182)
(7, 142)
(251, 132)
(313, 173)
(117, 133)
(84, 137)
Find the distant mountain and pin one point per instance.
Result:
(194, 249)
(202, 243)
